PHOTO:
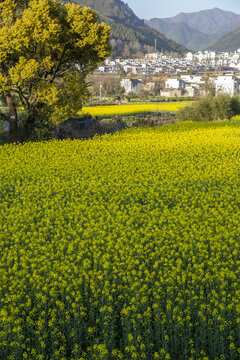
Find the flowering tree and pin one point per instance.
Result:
(46, 51)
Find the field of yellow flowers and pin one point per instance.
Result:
(124, 246)
(112, 110)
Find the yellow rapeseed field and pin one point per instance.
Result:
(125, 246)
(134, 108)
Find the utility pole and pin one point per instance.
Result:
(155, 44)
(100, 90)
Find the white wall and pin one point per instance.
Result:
(172, 84)
(226, 85)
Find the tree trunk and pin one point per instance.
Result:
(13, 119)
(28, 125)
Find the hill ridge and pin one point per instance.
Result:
(206, 26)
(229, 42)
(130, 35)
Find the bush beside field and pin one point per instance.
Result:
(125, 246)
(210, 108)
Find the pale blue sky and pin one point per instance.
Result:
(146, 9)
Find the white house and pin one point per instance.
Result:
(174, 84)
(189, 56)
(127, 68)
(191, 79)
(213, 55)
(200, 56)
(191, 91)
(227, 85)
(132, 86)
(152, 56)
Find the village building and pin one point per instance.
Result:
(191, 79)
(174, 84)
(132, 86)
(169, 93)
(227, 85)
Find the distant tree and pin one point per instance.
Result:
(211, 108)
(110, 85)
(209, 86)
(122, 72)
(126, 51)
(46, 51)
(203, 110)
(157, 89)
(235, 104)
(224, 106)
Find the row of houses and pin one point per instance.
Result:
(213, 59)
(145, 67)
(196, 85)
(156, 63)
(187, 85)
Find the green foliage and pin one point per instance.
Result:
(130, 36)
(46, 51)
(235, 105)
(139, 38)
(71, 87)
(122, 247)
(113, 9)
(211, 108)
(223, 106)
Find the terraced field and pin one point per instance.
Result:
(125, 246)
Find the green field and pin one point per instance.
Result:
(124, 246)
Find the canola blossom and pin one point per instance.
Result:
(134, 108)
(124, 246)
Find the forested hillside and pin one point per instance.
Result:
(130, 35)
(229, 42)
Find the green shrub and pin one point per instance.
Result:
(211, 108)
(235, 105)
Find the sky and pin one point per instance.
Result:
(146, 9)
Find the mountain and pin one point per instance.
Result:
(130, 35)
(197, 30)
(114, 9)
(182, 33)
(214, 21)
(229, 42)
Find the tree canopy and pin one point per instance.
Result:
(46, 51)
